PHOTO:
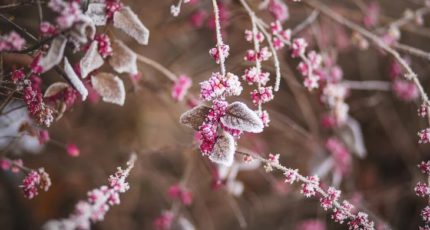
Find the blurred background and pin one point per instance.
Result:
(381, 182)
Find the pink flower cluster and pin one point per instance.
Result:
(33, 98)
(12, 165)
(214, 52)
(164, 221)
(180, 193)
(279, 10)
(11, 42)
(255, 75)
(329, 199)
(219, 86)
(98, 202)
(405, 90)
(47, 29)
(104, 45)
(69, 12)
(180, 87)
(423, 190)
(112, 6)
(340, 154)
(310, 64)
(35, 180)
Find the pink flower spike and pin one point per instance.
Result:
(425, 167)
(422, 189)
(43, 136)
(180, 87)
(298, 47)
(72, 150)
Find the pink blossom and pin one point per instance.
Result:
(215, 55)
(372, 14)
(332, 196)
(252, 76)
(33, 181)
(112, 6)
(220, 86)
(47, 29)
(11, 42)
(98, 202)
(72, 150)
(43, 136)
(328, 121)
(422, 189)
(424, 166)
(425, 214)
(262, 95)
(361, 221)
(340, 154)
(264, 116)
(180, 87)
(198, 18)
(298, 47)
(290, 175)
(164, 221)
(424, 136)
(104, 45)
(176, 191)
(279, 10)
(310, 186)
(276, 27)
(405, 90)
(18, 76)
(278, 43)
(423, 111)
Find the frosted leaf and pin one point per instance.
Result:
(126, 20)
(74, 80)
(352, 135)
(110, 87)
(54, 55)
(224, 149)
(55, 88)
(239, 116)
(91, 61)
(97, 13)
(194, 117)
(123, 59)
(83, 30)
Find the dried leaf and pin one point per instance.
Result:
(74, 80)
(110, 87)
(97, 13)
(352, 135)
(123, 59)
(54, 55)
(224, 149)
(91, 61)
(126, 20)
(239, 116)
(194, 117)
(83, 30)
(55, 88)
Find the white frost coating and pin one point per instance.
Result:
(224, 149)
(194, 117)
(110, 87)
(91, 61)
(83, 30)
(74, 80)
(55, 88)
(126, 20)
(54, 55)
(97, 13)
(239, 116)
(123, 59)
